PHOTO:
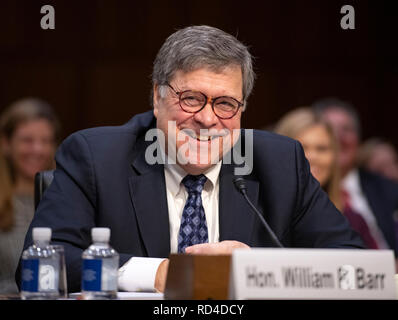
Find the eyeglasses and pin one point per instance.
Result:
(194, 101)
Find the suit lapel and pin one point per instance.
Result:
(148, 195)
(235, 216)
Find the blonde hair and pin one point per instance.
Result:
(300, 119)
(19, 112)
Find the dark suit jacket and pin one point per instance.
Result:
(102, 179)
(382, 196)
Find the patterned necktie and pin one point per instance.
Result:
(358, 223)
(193, 228)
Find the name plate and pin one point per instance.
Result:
(270, 273)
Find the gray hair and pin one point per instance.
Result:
(197, 47)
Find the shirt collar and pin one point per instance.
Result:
(175, 174)
(351, 181)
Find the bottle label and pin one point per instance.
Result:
(30, 275)
(91, 275)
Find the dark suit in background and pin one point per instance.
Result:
(382, 196)
(102, 179)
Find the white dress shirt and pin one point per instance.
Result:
(177, 196)
(359, 203)
(138, 273)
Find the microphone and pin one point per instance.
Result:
(240, 185)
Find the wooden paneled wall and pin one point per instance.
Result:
(95, 67)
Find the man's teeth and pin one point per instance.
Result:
(199, 137)
(203, 138)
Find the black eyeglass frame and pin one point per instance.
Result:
(207, 99)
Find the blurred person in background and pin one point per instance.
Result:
(320, 147)
(369, 200)
(379, 156)
(28, 133)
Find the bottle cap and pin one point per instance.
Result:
(100, 234)
(41, 234)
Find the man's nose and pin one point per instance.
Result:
(206, 116)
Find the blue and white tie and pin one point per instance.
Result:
(193, 228)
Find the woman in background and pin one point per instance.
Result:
(28, 133)
(319, 145)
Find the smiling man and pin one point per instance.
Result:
(201, 126)
(202, 78)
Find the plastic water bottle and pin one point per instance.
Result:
(40, 268)
(100, 267)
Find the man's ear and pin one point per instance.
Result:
(155, 94)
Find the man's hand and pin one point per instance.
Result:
(161, 276)
(223, 247)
